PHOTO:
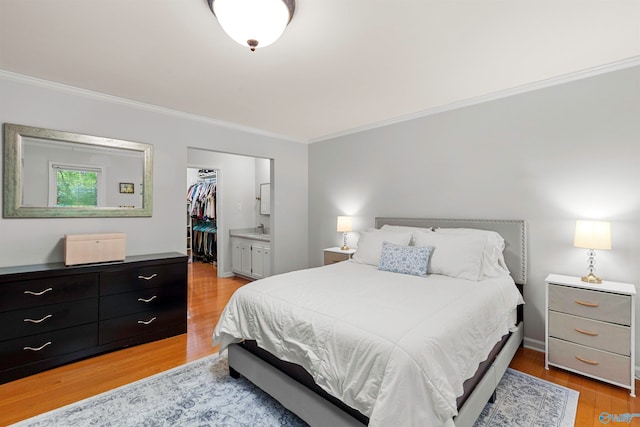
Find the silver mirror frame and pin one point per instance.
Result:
(13, 135)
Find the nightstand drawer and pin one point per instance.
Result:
(603, 306)
(592, 333)
(333, 257)
(601, 364)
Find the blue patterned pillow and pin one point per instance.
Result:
(405, 259)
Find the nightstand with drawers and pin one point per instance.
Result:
(590, 329)
(333, 255)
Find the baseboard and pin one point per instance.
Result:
(532, 344)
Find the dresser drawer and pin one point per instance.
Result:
(592, 333)
(602, 364)
(36, 292)
(603, 306)
(143, 300)
(140, 324)
(333, 257)
(35, 348)
(37, 320)
(135, 279)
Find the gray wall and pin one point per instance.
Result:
(550, 157)
(35, 103)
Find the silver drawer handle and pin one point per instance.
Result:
(148, 300)
(590, 362)
(587, 304)
(148, 277)
(38, 321)
(39, 348)
(582, 331)
(147, 322)
(38, 293)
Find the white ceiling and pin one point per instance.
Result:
(340, 65)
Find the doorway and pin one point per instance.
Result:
(202, 215)
(239, 180)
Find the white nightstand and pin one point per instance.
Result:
(333, 255)
(590, 329)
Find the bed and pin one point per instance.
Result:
(358, 343)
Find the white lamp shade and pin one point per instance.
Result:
(260, 20)
(592, 235)
(344, 224)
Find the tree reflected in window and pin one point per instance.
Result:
(76, 188)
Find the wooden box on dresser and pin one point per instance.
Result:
(52, 315)
(590, 329)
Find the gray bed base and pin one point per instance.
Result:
(317, 411)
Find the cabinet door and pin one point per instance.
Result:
(257, 261)
(245, 259)
(236, 256)
(267, 262)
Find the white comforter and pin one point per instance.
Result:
(395, 347)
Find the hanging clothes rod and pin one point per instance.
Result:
(207, 173)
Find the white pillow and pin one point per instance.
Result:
(370, 245)
(493, 263)
(403, 228)
(454, 255)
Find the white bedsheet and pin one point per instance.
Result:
(395, 347)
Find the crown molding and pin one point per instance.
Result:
(542, 84)
(47, 84)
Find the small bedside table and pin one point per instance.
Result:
(590, 329)
(333, 255)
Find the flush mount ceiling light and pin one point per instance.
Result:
(253, 23)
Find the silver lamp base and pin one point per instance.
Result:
(344, 242)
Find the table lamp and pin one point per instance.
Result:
(344, 226)
(592, 235)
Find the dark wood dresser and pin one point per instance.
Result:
(51, 315)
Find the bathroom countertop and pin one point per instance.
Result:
(250, 234)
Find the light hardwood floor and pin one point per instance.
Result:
(48, 390)
(208, 295)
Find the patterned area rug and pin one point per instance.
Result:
(523, 400)
(201, 393)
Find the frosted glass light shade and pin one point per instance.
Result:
(253, 23)
(592, 235)
(344, 224)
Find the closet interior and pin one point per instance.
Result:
(201, 216)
